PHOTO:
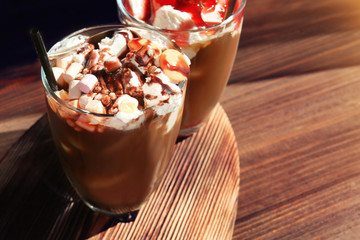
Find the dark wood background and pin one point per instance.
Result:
(293, 100)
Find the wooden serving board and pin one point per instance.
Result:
(197, 198)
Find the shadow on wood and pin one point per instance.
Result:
(37, 201)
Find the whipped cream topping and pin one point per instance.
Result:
(166, 17)
(68, 43)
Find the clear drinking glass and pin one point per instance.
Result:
(113, 169)
(212, 52)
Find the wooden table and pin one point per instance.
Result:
(294, 103)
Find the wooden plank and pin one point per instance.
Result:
(331, 212)
(281, 38)
(298, 137)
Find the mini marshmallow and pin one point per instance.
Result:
(74, 90)
(112, 63)
(88, 83)
(98, 96)
(84, 100)
(127, 104)
(117, 44)
(62, 94)
(59, 75)
(118, 123)
(72, 71)
(85, 126)
(95, 106)
(79, 58)
(63, 62)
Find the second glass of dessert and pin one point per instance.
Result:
(116, 114)
(208, 32)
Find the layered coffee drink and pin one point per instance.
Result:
(206, 35)
(116, 113)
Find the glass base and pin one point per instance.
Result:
(186, 132)
(190, 130)
(120, 217)
(127, 217)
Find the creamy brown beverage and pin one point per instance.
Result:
(116, 114)
(205, 35)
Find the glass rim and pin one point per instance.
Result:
(142, 23)
(83, 111)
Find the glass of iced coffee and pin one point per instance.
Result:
(116, 113)
(207, 34)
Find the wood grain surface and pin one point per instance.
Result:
(197, 198)
(294, 104)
